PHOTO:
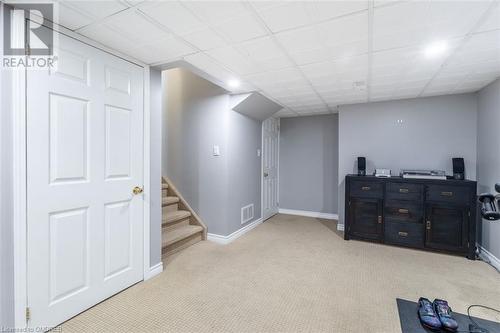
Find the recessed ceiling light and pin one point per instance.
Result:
(233, 83)
(435, 49)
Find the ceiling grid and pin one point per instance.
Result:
(309, 56)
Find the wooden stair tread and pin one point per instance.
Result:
(164, 186)
(169, 201)
(171, 236)
(176, 216)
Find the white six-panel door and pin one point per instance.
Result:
(84, 157)
(270, 151)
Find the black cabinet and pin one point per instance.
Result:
(437, 215)
(446, 227)
(366, 218)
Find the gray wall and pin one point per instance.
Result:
(6, 204)
(244, 167)
(308, 168)
(433, 130)
(488, 157)
(155, 167)
(197, 116)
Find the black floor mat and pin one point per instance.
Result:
(410, 323)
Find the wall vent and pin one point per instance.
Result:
(246, 213)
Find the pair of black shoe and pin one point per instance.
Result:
(436, 315)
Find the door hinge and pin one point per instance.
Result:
(28, 314)
(468, 213)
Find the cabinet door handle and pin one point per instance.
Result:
(447, 194)
(428, 225)
(403, 211)
(403, 234)
(366, 188)
(379, 220)
(403, 190)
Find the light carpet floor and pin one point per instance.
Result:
(291, 274)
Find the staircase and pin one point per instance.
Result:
(181, 227)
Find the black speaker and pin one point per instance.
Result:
(361, 166)
(458, 168)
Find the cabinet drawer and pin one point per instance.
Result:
(448, 194)
(404, 211)
(404, 233)
(366, 189)
(403, 191)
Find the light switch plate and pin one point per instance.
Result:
(216, 150)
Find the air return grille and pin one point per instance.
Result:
(246, 213)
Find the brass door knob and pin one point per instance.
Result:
(137, 190)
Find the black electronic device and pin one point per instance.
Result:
(361, 166)
(458, 168)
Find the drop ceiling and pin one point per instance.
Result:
(308, 56)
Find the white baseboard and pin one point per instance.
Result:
(340, 227)
(309, 214)
(238, 233)
(489, 257)
(153, 271)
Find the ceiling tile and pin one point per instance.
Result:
(265, 52)
(348, 50)
(167, 48)
(214, 12)
(492, 22)
(174, 16)
(209, 66)
(263, 5)
(287, 15)
(240, 28)
(134, 2)
(417, 22)
(232, 59)
(300, 40)
(285, 113)
(305, 57)
(205, 39)
(324, 10)
(277, 77)
(108, 37)
(71, 18)
(96, 9)
(344, 30)
(134, 26)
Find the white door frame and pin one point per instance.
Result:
(262, 168)
(20, 174)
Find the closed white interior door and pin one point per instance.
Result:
(270, 161)
(84, 157)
